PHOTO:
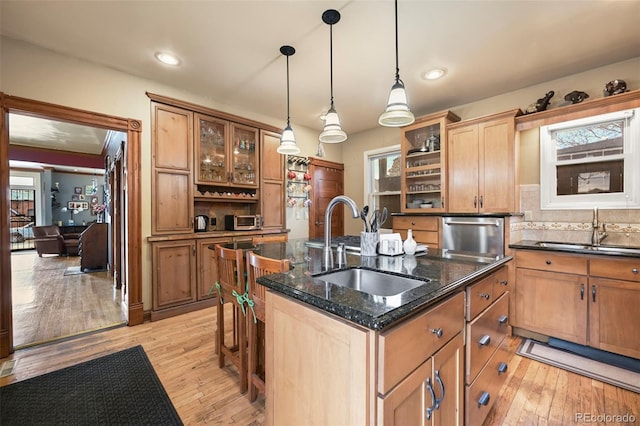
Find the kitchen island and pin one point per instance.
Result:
(336, 355)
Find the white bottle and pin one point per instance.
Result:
(410, 244)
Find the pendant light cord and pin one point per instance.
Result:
(288, 123)
(397, 67)
(331, 60)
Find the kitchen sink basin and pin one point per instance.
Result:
(578, 246)
(574, 246)
(376, 283)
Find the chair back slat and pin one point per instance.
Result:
(230, 269)
(257, 266)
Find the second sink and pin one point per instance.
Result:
(372, 282)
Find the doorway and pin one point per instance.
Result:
(130, 223)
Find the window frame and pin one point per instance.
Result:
(629, 198)
(369, 193)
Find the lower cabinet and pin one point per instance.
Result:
(425, 229)
(325, 368)
(589, 300)
(432, 394)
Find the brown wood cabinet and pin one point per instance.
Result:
(171, 180)
(423, 146)
(482, 164)
(174, 273)
(338, 377)
(486, 354)
(425, 229)
(590, 300)
(271, 182)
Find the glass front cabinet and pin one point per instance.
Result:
(226, 153)
(423, 146)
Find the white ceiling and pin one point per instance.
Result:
(230, 49)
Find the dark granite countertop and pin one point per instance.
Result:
(603, 250)
(444, 275)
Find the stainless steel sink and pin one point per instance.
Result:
(574, 246)
(578, 246)
(376, 283)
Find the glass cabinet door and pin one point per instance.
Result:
(211, 158)
(244, 155)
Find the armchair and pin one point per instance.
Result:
(49, 240)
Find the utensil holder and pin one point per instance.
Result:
(369, 243)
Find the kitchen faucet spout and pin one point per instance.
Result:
(596, 235)
(327, 254)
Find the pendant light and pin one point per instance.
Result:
(397, 112)
(287, 140)
(332, 132)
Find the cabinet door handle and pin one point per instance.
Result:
(413, 223)
(484, 340)
(442, 202)
(484, 399)
(429, 410)
(581, 291)
(475, 201)
(504, 282)
(502, 368)
(440, 382)
(593, 293)
(502, 319)
(482, 201)
(485, 296)
(437, 332)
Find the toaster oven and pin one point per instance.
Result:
(242, 222)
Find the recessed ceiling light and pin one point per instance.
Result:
(434, 74)
(167, 58)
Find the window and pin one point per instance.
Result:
(591, 162)
(382, 180)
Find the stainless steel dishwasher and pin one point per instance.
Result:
(473, 234)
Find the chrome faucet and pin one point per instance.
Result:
(596, 235)
(327, 254)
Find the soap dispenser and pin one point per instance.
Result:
(410, 244)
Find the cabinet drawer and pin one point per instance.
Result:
(501, 282)
(485, 334)
(479, 297)
(621, 269)
(417, 223)
(552, 262)
(422, 237)
(403, 348)
(490, 380)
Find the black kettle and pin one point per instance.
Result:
(200, 223)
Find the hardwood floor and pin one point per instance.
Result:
(181, 350)
(49, 305)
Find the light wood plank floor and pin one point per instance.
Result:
(181, 350)
(48, 305)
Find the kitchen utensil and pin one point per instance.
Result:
(363, 215)
(383, 217)
(375, 217)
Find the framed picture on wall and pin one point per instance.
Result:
(71, 205)
(89, 190)
(74, 197)
(81, 197)
(77, 190)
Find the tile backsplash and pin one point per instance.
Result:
(575, 226)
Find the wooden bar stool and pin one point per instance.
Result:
(258, 266)
(231, 288)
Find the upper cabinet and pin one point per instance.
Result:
(482, 165)
(226, 154)
(423, 146)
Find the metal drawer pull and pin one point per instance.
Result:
(548, 262)
(581, 291)
(484, 340)
(439, 380)
(502, 319)
(484, 399)
(502, 368)
(593, 292)
(635, 270)
(437, 332)
(504, 282)
(429, 410)
(485, 296)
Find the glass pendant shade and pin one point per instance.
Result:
(288, 142)
(332, 132)
(397, 112)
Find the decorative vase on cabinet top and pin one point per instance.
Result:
(410, 244)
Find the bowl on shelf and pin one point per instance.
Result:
(426, 205)
(414, 204)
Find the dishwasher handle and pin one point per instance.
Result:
(467, 222)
